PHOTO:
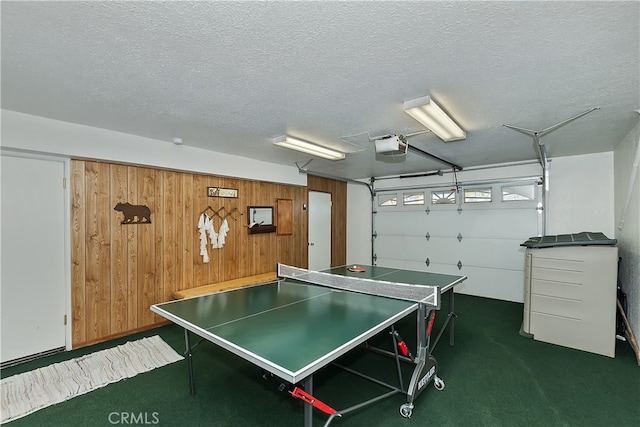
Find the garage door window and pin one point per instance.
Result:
(388, 200)
(518, 193)
(413, 198)
(477, 195)
(446, 197)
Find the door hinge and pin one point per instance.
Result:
(65, 319)
(64, 182)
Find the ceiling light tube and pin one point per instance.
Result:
(308, 147)
(433, 118)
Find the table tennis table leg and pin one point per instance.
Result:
(308, 409)
(189, 354)
(452, 315)
(449, 322)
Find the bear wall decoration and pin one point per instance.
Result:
(134, 214)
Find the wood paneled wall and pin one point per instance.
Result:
(118, 271)
(338, 190)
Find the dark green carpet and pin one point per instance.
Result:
(493, 376)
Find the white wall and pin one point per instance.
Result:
(37, 134)
(358, 224)
(628, 228)
(581, 194)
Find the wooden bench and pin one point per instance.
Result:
(226, 285)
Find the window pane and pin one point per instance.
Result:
(518, 192)
(477, 195)
(388, 200)
(446, 197)
(413, 199)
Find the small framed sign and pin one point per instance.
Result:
(222, 192)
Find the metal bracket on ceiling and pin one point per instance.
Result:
(536, 135)
(542, 152)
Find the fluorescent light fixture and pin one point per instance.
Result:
(308, 147)
(433, 118)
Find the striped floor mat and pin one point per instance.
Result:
(28, 392)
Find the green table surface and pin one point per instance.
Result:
(293, 329)
(397, 275)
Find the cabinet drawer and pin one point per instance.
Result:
(560, 307)
(557, 263)
(573, 333)
(567, 290)
(568, 276)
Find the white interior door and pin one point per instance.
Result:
(319, 230)
(32, 289)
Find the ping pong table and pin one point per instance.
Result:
(322, 315)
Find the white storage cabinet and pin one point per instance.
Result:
(570, 296)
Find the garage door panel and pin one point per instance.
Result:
(416, 248)
(487, 253)
(417, 223)
(389, 224)
(446, 269)
(400, 222)
(506, 285)
(392, 263)
(441, 223)
(492, 253)
(504, 254)
(415, 265)
(421, 266)
(405, 264)
(442, 250)
(387, 246)
(499, 223)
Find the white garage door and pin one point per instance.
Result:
(475, 231)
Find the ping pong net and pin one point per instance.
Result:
(424, 294)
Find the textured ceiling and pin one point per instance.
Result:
(229, 76)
